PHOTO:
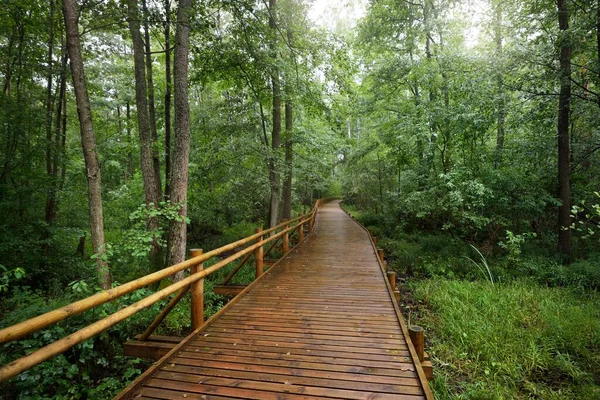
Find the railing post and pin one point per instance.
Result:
(258, 255)
(380, 255)
(197, 290)
(301, 233)
(391, 275)
(417, 337)
(286, 240)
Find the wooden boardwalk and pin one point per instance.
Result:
(321, 323)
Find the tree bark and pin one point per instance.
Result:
(129, 170)
(151, 106)
(152, 189)
(181, 155)
(50, 191)
(168, 99)
(598, 41)
(564, 104)
(274, 177)
(289, 158)
(88, 141)
(60, 127)
(427, 9)
(57, 142)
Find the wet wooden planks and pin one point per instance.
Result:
(320, 324)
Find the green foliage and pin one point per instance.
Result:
(88, 370)
(514, 242)
(511, 341)
(586, 217)
(7, 278)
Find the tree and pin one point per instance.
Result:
(274, 176)
(88, 142)
(151, 103)
(152, 186)
(289, 127)
(167, 98)
(564, 109)
(501, 107)
(181, 154)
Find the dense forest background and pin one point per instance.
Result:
(464, 134)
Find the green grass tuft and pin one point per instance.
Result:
(511, 341)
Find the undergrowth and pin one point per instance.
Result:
(96, 368)
(511, 341)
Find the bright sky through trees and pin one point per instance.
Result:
(332, 14)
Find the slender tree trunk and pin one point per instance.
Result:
(274, 178)
(50, 192)
(129, 171)
(88, 141)
(49, 97)
(58, 145)
(63, 129)
(152, 189)
(168, 99)
(60, 127)
(564, 104)
(598, 41)
(289, 158)
(151, 106)
(501, 107)
(181, 155)
(427, 9)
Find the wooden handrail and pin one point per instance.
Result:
(33, 325)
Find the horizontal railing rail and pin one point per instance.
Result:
(25, 328)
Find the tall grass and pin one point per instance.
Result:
(511, 341)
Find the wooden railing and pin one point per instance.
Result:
(194, 283)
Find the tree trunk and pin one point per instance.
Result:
(564, 103)
(50, 191)
(56, 157)
(181, 155)
(168, 99)
(598, 41)
(129, 170)
(501, 107)
(274, 178)
(60, 127)
(152, 189)
(430, 156)
(61, 124)
(289, 158)
(88, 141)
(151, 106)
